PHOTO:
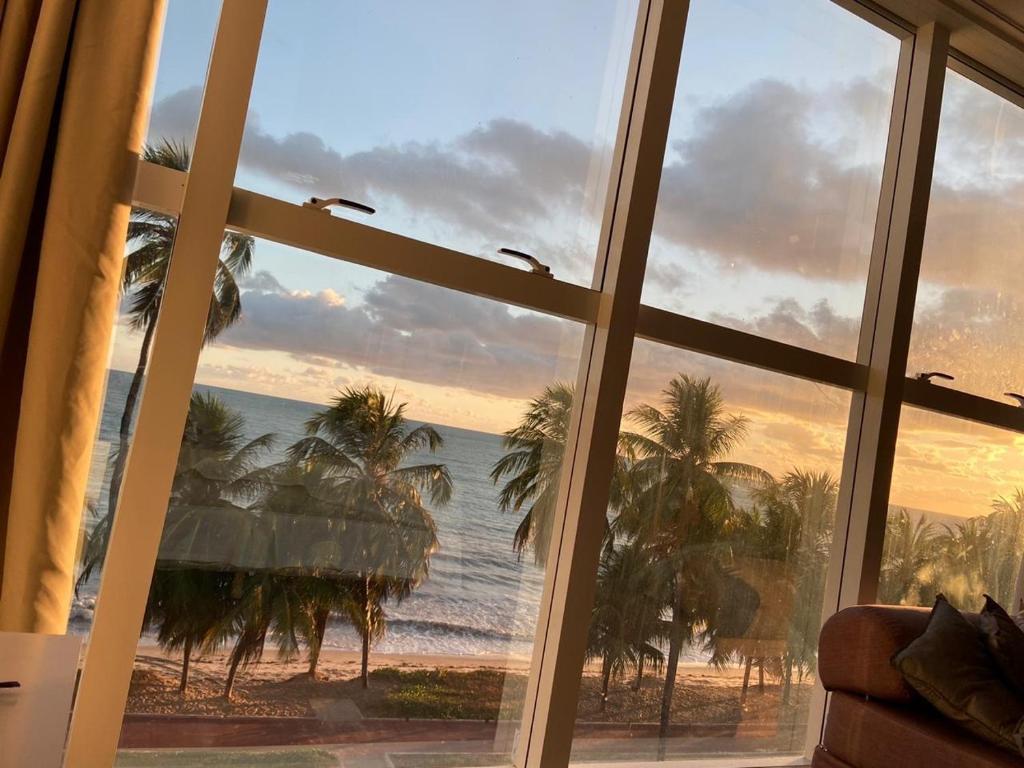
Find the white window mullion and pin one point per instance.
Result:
(142, 503)
(550, 711)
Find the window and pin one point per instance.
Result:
(359, 519)
(189, 27)
(393, 458)
(956, 514)
(968, 312)
(768, 197)
(147, 258)
(476, 126)
(711, 585)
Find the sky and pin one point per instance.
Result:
(489, 124)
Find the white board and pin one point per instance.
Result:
(34, 716)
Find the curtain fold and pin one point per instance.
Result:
(76, 80)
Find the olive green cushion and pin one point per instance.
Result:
(950, 666)
(1005, 642)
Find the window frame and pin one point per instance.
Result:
(206, 203)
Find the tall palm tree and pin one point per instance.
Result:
(362, 442)
(908, 559)
(151, 241)
(532, 465)
(685, 510)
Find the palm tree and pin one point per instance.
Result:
(265, 603)
(626, 620)
(291, 490)
(533, 463)
(1004, 574)
(151, 239)
(684, 512)
(908, 559)
(799, 514)
(216, 468)
(186, 607)
(362, 442)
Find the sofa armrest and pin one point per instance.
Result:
(856, 647)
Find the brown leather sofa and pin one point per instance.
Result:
(875, 720)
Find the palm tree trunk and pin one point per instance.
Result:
(126, 418)
(675, 642)
(606, 676)
(639, 673)
(787, 683)
(320, 616)
(229, 687)
(746, 679)
(367, 619)
(183, 685)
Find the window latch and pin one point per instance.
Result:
(927, 377)
(1015, 396)
(323, 203)
(535, 266)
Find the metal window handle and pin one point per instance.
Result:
(934, 375)
(322, 204)
(535, 266)
(1015, 396)
(9, 684)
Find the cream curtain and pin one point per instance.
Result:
(75, 85)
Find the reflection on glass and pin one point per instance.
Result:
(188, 31)
(956, 514)
(770, 187)
(354, 544)
(150, 242)
(969, 313)
(709, 592)
(475, 126)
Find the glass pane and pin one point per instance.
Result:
(147, 259)
(355, 541)
(188, 33)
(771, 181)
(969, 313)
(956, 514)
(711, 583)
(473, 125)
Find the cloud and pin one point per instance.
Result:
(774, 176)
(261, 282)
(412, 331)
(502, 183)
(752, 184)
(819, 328)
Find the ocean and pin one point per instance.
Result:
(480, 597)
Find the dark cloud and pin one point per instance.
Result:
(752, 184)
(416, 332)
(176, 116)
(774, 176)
(502, 183)
(262, 282)
(819, 328)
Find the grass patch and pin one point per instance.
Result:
(450, 760)
(226, 758)
(445, 694)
